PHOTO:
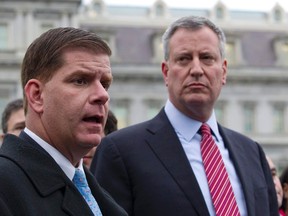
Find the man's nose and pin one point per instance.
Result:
(99, 94)
(196, 67)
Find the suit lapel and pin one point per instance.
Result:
(238, 154)
(96, 191)
(166, 145)
(75, 205)
(45, 175)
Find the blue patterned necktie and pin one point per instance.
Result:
(80, 182)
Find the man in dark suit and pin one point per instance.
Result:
(65, 76)
(13, 118)
(157, 166)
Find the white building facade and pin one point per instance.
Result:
(253, 102)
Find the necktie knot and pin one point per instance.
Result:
(79, 179)
(205, 129)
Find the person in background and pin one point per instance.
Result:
(157, 166)
(277, 183)
(65, 77)
(13, 118)
(111, 123)
(110, 126)
(284, 184)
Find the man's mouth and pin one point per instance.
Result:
(87, 156)
(93, 119)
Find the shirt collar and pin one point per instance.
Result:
(187, 126)
(60, 159)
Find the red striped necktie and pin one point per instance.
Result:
(219, 184)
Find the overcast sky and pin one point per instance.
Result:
(260, 5)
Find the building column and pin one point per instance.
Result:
(264, 117)
(234, 115)
(136, 110)
(65, 19)
(29, 28)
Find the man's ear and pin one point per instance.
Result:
(165, 69)
(224, 72)
(34, 95)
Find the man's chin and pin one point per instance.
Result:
(91, 140)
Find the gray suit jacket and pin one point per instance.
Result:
(32, 184)
(152, 175)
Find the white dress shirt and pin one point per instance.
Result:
(60, 159)
(186, 130)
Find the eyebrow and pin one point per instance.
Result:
(92, 71)
(19, 124)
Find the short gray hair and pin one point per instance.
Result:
(194, 23)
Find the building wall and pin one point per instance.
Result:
(253, 102)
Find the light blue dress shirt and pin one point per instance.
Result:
(186, 130)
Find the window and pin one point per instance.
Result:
(46, 26)
(281, 49)
(122, 116)
(159, 10)
(3, 36)
(98, 6)
(233, 50)
(220, 111)
(230, 49)
(278, 118)
(153, 108)
(157, 47)
(277, 15)
(110, 39)
(3, 104)
(219, 13)
(249, 117)
(121, 110)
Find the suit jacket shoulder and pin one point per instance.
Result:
(32, 183)
(144, 161)
(253, 171)
(152, 175)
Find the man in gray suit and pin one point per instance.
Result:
(65, 77)
(157, 166)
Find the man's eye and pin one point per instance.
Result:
(183, 59)
(19, 128)
(106, 85)
(80, 81)
(208, 59)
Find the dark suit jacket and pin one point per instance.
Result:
(32, 184)
(152, 175)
